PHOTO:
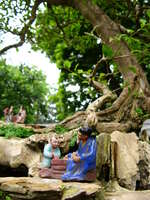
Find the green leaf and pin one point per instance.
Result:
(8, 198)
(142, 22)
(107, 51)
(139, 111)
(80, 71)
(133, 69)
(67, 64)
(148, 13)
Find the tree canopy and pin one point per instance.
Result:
(101, 47)
(24, 86)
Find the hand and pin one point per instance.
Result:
(56, 157)
(52, 155)
(76, 158)
(74, 154)
(66, 157)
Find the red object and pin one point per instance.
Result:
(58, 168)
(59, 162)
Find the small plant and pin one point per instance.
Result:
(4, 196)
(139, 111)
(143, 115)
(60, 129)
(11, 130)
(8, 197)
(73, 140)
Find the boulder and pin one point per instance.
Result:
(48, 189)
(128, 195)
(118, 157)
(144, 165)
(40, 139)
(103, 156)
(14, 153)
(127, 158)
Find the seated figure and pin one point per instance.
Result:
(8, 114)
(82, 161)
(51, 151)
(21, 116)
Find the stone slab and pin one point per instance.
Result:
(47, 189)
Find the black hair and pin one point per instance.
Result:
(86, 131)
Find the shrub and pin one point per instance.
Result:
(11, 130)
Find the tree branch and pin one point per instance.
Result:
(98, 103)
(103, 59)
(25, 29)
(116, 105)
(60, 2)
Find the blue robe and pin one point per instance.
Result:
(87, 153)
(47, 155)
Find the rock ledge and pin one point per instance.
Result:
(45, 189)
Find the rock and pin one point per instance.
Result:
(115, 192)
(48, 189)
(28, 152)
(103, 157)
(14, 152)
(127, 158)
(130, 195)
(144, 165)
(118, 157)
(41, 139)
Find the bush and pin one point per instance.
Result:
(59, 129)
(4, 196)
(11, 130)
(73, 140)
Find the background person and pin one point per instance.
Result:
(8, 114)
(21, 116)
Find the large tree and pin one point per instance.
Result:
(24, 86)
(123, 28)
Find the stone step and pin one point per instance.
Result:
(47, 189)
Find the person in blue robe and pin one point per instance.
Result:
(84, 159)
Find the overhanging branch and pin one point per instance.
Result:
(25, 29)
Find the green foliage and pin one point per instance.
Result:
(107, 51)
(59, 129)
(102, 78)
(11, 130)
(65, 42)
(138, 46)
(1, 193)
(139, 111)
(73, 140)
(4, 196)
(142, 114)
(23, 86)
(8, 198)
(133, 69)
